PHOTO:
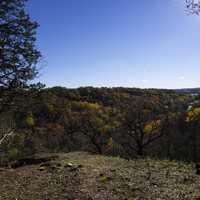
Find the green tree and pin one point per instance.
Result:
(18, 54)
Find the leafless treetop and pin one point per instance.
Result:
(193, 6)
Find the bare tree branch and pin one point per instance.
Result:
(193, 6)
(5, 136)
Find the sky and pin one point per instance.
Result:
(111, 43)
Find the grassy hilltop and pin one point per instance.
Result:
(83, 176)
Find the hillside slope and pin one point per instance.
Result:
(85, 177)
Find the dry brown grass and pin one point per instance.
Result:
(92, 177)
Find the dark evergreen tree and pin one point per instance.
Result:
(18, 53)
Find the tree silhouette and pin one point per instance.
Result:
(141, 126)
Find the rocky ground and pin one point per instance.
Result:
(81, 176)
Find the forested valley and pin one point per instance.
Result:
(125, 122)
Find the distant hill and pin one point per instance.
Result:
(188, 91)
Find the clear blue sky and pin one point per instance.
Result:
(130, 43)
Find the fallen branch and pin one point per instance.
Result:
(10, 133)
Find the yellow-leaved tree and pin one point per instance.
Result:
(141, 126)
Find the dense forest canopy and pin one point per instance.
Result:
(128, 122)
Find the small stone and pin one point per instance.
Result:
(41, 168)
(69, 165)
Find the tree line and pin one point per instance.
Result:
(127, 122)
